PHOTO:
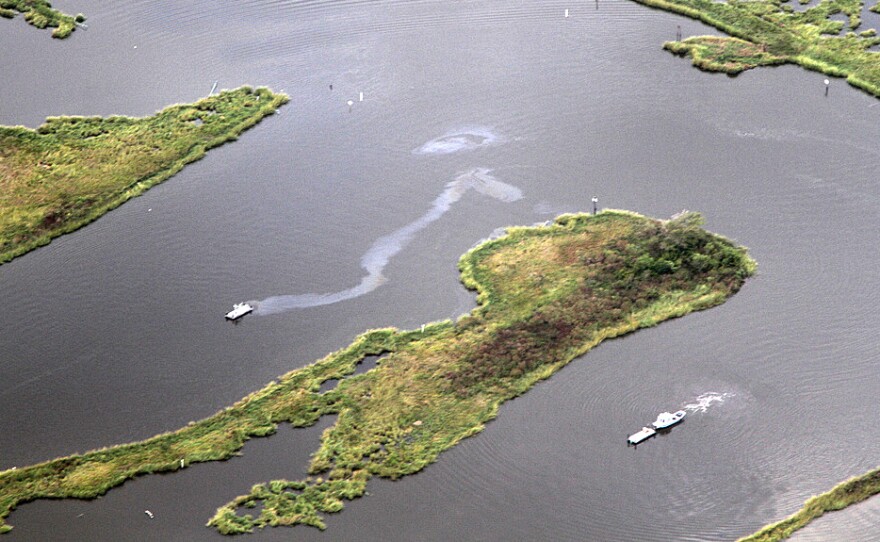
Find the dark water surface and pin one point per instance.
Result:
(116, 333)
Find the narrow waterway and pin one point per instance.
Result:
(116, 332)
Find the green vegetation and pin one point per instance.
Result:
(40, 13)
(72, 170)
(772, 32)
(728, 55)
(854, 490)
(546, 296)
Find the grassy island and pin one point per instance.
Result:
(71, 170)
(770, 32)
(546, 295)
(852, 491)
(40, 13)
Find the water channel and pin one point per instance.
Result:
(115, 333)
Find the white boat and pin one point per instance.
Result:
(644, 434)
(238, 310)
(666, 419)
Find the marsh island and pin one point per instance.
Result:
(768, 32)
(546, 295)
(71, 170)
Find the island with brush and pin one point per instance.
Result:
(546, 296)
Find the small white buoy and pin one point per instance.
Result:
(149, 514)
(361, 97)
(566, 13)
(135, 46)
(150, 210)
(827, 82)
(350, 103)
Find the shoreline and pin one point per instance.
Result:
(853, 491)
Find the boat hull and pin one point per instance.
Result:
(666, 423)
(238, 311)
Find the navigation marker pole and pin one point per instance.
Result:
(595, 204)
(827, 84)
(213, 88)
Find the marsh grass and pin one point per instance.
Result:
(546, 295)
(39, 13)
(768, 32)
(72, 170)
(727, 55)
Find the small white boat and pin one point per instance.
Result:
(238, 310)
(666, 419)
(644, 434)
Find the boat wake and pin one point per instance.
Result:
(706, 400)
(386, 247)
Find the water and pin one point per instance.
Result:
(387, 246)
(116, 332)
